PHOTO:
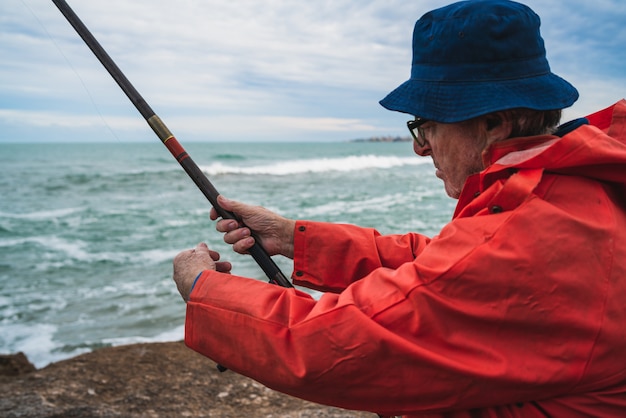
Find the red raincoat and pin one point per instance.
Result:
(516, 309)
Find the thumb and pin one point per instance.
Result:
(224, 202)
(232, 205)
(202, 247)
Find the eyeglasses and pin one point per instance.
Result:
(417, 132)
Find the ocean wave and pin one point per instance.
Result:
(366, 204)
(229, 157)
(317, 165)
(77, 250)
(34, 340)
(175, 334)
(42, 215)
(37, 342)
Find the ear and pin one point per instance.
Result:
(498, 127)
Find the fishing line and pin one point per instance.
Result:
(74, 70)
(167, 138)
(257, 252)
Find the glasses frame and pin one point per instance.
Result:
(417, 132)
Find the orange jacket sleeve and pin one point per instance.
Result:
(329, 257)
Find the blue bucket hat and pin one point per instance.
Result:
(476, 57)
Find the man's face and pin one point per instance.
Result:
(456, 153)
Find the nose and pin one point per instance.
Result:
(424, 151)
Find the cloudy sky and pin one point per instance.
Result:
(255, 70)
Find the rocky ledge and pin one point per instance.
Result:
(143, 380)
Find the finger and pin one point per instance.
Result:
(226, 225)
(213, 214)
(202, 247)
(214, 255)
(225, 203)
(238, 208)
(237, 235)
(223, 267)
(242, 246)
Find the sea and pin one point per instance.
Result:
(88, 231)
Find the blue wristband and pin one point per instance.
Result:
(194, 283)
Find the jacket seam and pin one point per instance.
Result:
(607, 286)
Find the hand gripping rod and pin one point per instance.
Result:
(259, 254)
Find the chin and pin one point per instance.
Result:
(453, 192)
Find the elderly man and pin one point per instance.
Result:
(515, 309)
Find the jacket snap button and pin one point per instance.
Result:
(299, 274)
(496, 209)
(302, 228)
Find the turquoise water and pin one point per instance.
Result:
(88, 231)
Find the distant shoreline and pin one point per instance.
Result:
(383, 139)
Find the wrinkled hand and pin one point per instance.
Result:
(274, 231)
(189, 263)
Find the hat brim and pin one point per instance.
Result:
(455, 102)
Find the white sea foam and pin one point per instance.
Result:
(378, 203)
(34, 340)
(177, 222)
(157, 256)
(42, 215)
(76, 250)
(175, 334)
(147, 257)
(318, 165)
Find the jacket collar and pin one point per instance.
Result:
(593, 147)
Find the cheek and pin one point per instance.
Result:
(459, 163)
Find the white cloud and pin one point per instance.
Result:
(317, 68)
(51, 119)
(263, 126)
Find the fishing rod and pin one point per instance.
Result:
(259, 254)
